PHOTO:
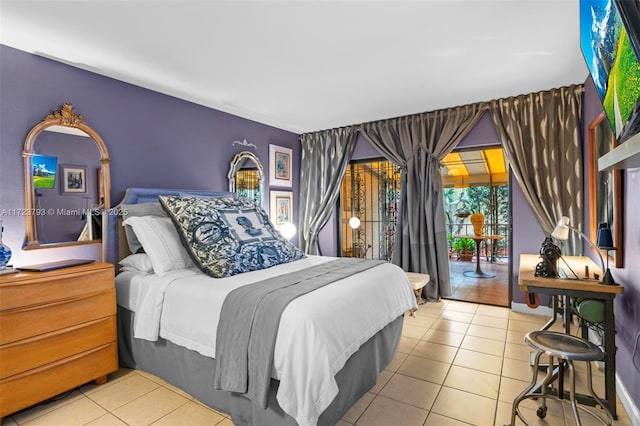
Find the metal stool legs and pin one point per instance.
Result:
(544, 345)
(526, 394)
(572, 396)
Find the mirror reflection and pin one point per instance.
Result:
(246, 177)
(66, 167)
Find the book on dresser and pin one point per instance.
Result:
(57, 332)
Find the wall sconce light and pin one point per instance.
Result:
(288, 230)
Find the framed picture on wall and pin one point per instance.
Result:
(74, 180)
(280, 166)
(281, 207)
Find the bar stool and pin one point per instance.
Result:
(563, 347)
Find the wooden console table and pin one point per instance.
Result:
(584, 288)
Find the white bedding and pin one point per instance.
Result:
(318, 331)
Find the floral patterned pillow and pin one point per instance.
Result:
(227, 235)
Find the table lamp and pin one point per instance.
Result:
(561, 232)
(605, 242)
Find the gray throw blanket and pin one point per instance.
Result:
(249, 322)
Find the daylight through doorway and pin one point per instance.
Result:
(476, 181)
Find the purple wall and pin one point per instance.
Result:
(627, 305)
(153, 139)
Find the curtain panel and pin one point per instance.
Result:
(418, 143)
(540, 133)
(325, 156)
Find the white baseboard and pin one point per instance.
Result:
(627, 402)
(524, 309)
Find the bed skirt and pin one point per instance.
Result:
(193, 372)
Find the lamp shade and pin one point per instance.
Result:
(561, 231)
(288, 230)
(605, 239)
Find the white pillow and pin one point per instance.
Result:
(138, 262)
(142, 209)
(161, 242)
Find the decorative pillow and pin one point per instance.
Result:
(142, 209)
(227, 235)
(161, 242)
(138, 262)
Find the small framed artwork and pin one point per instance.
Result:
(74, 180)
(280, 166)
(281, 207)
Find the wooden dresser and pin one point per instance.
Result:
(57, 332)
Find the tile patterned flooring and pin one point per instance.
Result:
(457, 364)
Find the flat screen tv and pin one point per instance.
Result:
(44, 171)
(610, 43)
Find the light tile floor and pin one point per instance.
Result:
(457, 364)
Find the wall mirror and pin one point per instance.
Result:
(246, 177)
(605, 188)
(66, 182)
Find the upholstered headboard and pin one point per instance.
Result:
(117, 247)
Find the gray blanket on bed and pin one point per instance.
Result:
(249, 322)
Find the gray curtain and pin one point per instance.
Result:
(540, 133)
(325, 156)
(418, 143)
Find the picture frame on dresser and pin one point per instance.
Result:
(280, 166)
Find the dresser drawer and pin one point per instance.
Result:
(22, 323)
(36, 289)
(43, 349)
(25, 389)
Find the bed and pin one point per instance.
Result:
(330, 344)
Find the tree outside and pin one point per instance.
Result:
(493, 202)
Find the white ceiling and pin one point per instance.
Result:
(311, 65)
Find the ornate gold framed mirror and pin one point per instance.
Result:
(66, 182)
(246, 177)
(605, 188)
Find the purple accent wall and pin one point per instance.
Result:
(483, 134)
(153, 139)
(627, 305)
